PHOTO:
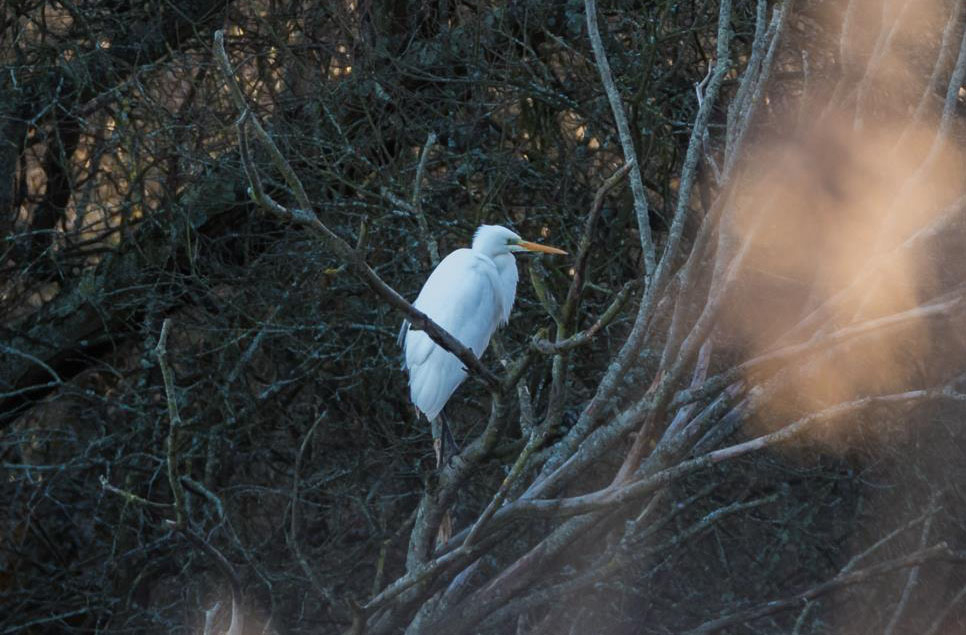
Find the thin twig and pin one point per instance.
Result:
(586, 239)
(611, 497)
(623, 555)
(941, 617)
(131, 497)
(949, 106)
(628, 353)
(292, 534)
(532, 444)
(887, 33)
(745, 111)
(305, 217)
(626, 140)
(942, 60)
(870, 328)
(584, 337)
(174, 416)
(20, 628)
(912, 579)
(417, 203)
(940, 551)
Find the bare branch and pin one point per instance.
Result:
(583, 249)
(174, 426)
(624, 133)
(939, 552)
(305, 218)
(912, 579)
(417, 201)
(584, 337)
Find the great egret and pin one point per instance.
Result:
(470, 293)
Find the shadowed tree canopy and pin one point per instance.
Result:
(736, 406)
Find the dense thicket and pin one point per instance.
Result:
(737, 406)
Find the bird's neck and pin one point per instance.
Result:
(504, 260)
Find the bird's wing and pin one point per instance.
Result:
(462, 295)
(401, 338)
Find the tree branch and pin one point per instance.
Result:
(175, 423)
(304, 217)
(626, 140)
(940, 551)
(418, 203)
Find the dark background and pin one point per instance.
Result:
(123, 202)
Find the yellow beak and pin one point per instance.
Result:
(538, 247)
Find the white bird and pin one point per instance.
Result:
(469, 294)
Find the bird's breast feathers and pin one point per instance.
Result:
(463, 296)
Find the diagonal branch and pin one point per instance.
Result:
(583, 249)
(940, 552)
(584, 337)
(306, 218)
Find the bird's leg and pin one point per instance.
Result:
(444, 443)
(436, 427)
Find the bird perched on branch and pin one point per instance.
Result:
(469, 294)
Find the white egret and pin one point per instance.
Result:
(469, 294)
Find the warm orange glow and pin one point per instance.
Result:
(828, 215)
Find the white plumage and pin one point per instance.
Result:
(469, 294)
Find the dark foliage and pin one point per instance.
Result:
(823, 194)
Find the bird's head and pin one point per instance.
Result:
(494, 240)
